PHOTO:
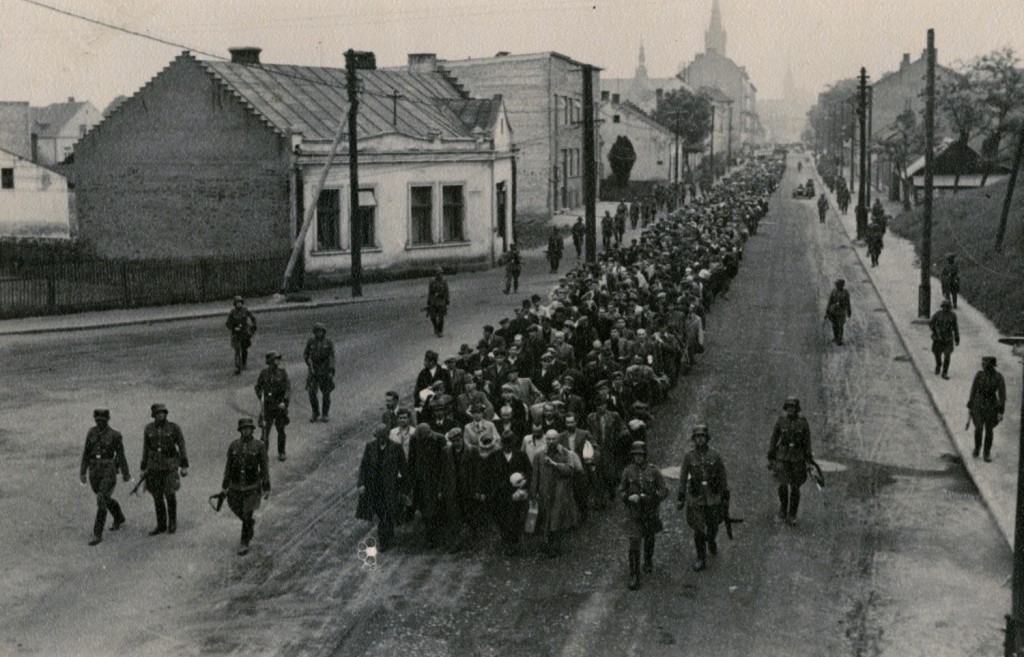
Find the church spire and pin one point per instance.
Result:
(642, 58)
(715, 37)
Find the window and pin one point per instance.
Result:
(421, 214)
(454, 214)
(615, 118)
(367, 217)
(566, 109)
(6, 178)
(81, 129)
(577, 111)
(328, 220)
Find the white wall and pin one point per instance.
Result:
(38, 203)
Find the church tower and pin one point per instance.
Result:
(714, 37)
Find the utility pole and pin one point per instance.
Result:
(354, 61)
(712, 143)
(728, 152)
(589, 165)
(853, 142)
(1001, 233)
(1014, 641)
(924, 291)
(871, 110)
(862, 117)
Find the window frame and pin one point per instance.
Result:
(373, 244)
(442, 208)
(318, 244)
(431, 239)
(7, 178)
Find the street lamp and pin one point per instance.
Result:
(1014, 643)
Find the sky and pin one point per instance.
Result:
(49, 57)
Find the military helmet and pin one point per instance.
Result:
(246, 422)
(238, 299)
(700, 430)
(272, 356)
(946, 304)
(157, 408)
(638, 447)
(101, 414)
(319, 327)
(791, 401)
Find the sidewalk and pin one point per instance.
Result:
(896, 279)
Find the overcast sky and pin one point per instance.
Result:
(48, 57)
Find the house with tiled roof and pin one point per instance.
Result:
(215, 159)
(57, 127)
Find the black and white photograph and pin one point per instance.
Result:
(548, 328)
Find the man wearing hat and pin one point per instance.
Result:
(608, 430)
(246, 479)
(479, 430)
(437, 301)
(163, 461)
(509, 491)
(945, 334)
(643, 488)
(551, 488)
(381, 486)
(513, 268)
(986, 405)
(102, 459)
(838, 310)
(950, 279)
(242, 324)
(789, 452)
(274, 390)
(319, 357)
(548, 372)
(704, 491)
(431, 373)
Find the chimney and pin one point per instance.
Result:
(502, 53)
(906, 61)
(924, 55)
(615, 99)
(245, 55)
(425, 62)
(605, 95)
(71, 99)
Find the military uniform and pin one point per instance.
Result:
(642, 520)
(704, 490)
(102, 458)
(319, 357)
(788, 454)
(163, 453)
(945, 334)
(837, 311)
(246, 480)
(986, 404)
(437, 303)
(242, 324)
(274, 389)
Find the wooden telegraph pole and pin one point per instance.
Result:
(862, 119)
(354, 61)
(589, 163)
(924, 291)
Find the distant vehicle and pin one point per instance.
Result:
(805, 191)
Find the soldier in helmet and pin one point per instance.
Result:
(643, 488)
(246, 479)
(242, 324)
(274, 391)
(788, 455)
(164, 461)
(438, 300)
(102, 459)
(838, 310)
(704, 492)
(945, 334)
(319, 357)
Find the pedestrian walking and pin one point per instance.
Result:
(950, 279)
(945, 334)
(102, 458)
(643, 489)
(319, 357)
(437, 301)
(431, 481)
(874, 239)
(513, 268)
(509, 472)
(555, 248)
(164, 462)
(838, 310)
(274, 390)
(380, 486)
(607, 229)
(789, 453)
(986, 405)
(246, 479)
(242, 325)
(579, 233)
(822, 208)
(704, 492)
(551, 488)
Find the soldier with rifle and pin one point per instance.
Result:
(643, 489)
(704, 492)
(246, 479)
(102, 459)
(242, 324)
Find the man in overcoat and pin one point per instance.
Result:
(945, 335)
(986, 405)
(102, 458)
(431, 481)
(508, 492)
(643, 489)
(704, 491)
(381, 485)
(246, 479)
(551, 488)
(789, 452)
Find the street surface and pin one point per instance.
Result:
(898, 556)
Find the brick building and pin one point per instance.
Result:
(544, 96)
(218, 159)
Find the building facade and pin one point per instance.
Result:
(57, 127)
(653, 143)
(543, 94)
(34, 201)
(221, 159)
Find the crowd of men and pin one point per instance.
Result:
(533, 429)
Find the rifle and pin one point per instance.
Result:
(729, 521)
(142, 480)
(217, 501)
(968, 425)
(814, 470)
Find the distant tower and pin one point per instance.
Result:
(641, 69)
(714, 37)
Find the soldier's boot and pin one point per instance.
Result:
(700, 543)
(634, 569)
(245, 358)
(314, 404)
(783, 502)
(97, 526)
(649, 554)
(172, 514)
(325, 415)
(794, 504)
(161, 516)
(115, 510)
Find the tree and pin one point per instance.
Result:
(685, 114)
(998, 84)
(907, 140)
(958, 99)
(622, 157)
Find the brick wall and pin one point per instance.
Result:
(181, 169)
(16, 129)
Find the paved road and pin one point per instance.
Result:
(898, 556)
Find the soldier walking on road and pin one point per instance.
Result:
(242, 324)
(246, 479)
(555, 248)
(950, 279)
(788, 455)
(579, 232)
(704, 491)
(643, 488)
(102, 459)
(607, 229)
(986, 405)
(822, 208)
(945, 334)
(838, 310)
(513, 267)
(319, 357)
(164, 462)
(274, 391)
(437, 301)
